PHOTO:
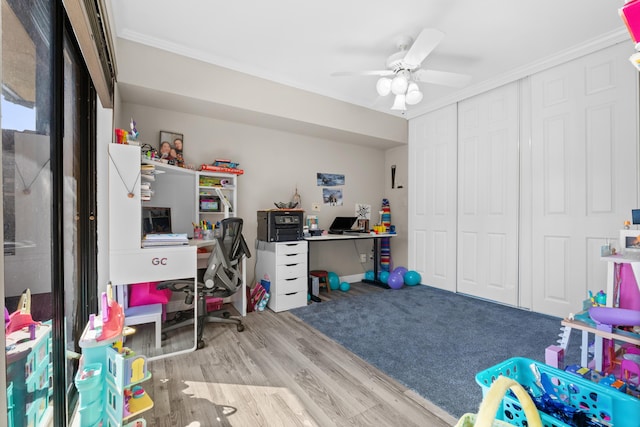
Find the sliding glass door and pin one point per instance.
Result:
(48, 210)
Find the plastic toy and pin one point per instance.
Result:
(599, 299)
(385, 242)
(22, 316)
(630, 372)
(112, 318)
(629, 296)
(630, 14)
(615, 316)
(395, 280)
(345, 286)
(133, 135)
(146, 293)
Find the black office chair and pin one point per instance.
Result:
(222, 278)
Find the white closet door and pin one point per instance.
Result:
(584, 173)
(432, 197)
(488, 140)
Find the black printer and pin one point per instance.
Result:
(280, 225)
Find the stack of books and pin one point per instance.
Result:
(216, 167)
(165, 239)
(145, 191)
(147, 175)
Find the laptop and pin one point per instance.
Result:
(156, 220)
(341, 224)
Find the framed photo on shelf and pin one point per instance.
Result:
(171, 147)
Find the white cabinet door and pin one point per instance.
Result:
(584, 158)
(125, 217)
(432, 197)
(488, 140)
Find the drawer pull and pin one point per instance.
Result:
(291, 278)
(291, 293)
(291, 265)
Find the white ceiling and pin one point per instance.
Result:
(300, 43)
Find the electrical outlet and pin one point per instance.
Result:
(363, 258)
(315, 207)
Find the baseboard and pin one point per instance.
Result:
(352, 278)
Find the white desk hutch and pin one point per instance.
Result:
(174, 187)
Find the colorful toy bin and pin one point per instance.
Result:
(89, 382)
(567, 392)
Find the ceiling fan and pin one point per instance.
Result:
(404, 70)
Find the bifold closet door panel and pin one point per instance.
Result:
(584, 153)
(488, 196)
(432, 197)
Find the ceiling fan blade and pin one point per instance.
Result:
(444, 78)
(426, 41)
(363, 73)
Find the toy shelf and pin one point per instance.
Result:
(138, 405)
(110, 395)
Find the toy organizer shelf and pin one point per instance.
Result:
(110, 375)
(29, 372)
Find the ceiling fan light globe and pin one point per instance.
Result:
(413, 97)
(398, 103)
(399, 85)
(383, 86)
(413, 87)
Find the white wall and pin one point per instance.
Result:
(192, 84)
(398, 201)
(275, 163)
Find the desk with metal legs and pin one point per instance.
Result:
(356, 236)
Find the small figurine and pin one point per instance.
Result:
(598, 300)
(133, 135)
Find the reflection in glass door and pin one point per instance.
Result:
(27, 207)
(47, 106)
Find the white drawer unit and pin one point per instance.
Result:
(286, 265)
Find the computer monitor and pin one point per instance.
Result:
(156, 220)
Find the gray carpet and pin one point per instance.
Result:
(434, 341)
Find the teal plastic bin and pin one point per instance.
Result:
(603, 404)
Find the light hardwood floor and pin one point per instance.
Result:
(280, 372)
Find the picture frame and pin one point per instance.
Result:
(171, 147)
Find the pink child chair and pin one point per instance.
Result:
(628, 368)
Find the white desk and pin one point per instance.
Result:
(155, 264)
(357, 236)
